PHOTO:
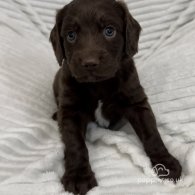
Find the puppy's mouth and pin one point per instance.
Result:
(93, 74)
(92, 78)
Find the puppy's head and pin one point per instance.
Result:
(92, 37)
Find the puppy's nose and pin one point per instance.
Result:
(90, 63)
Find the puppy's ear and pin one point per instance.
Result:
(56, 39)
(132, 31)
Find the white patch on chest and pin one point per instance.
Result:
(99, 117)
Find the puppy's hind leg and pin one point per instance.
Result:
(54, 116)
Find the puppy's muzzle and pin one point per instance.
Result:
(92, 65)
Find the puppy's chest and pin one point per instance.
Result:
(99, 117)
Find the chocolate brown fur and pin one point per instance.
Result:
(95, 68)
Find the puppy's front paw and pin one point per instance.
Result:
(79, 184)
(167, 167)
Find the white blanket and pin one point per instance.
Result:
(31, 153)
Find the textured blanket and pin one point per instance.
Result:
(31, 153)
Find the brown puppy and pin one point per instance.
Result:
(94, 42)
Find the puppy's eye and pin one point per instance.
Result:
(109, 32)
(71, 36)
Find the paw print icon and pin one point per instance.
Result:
(161, 170)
